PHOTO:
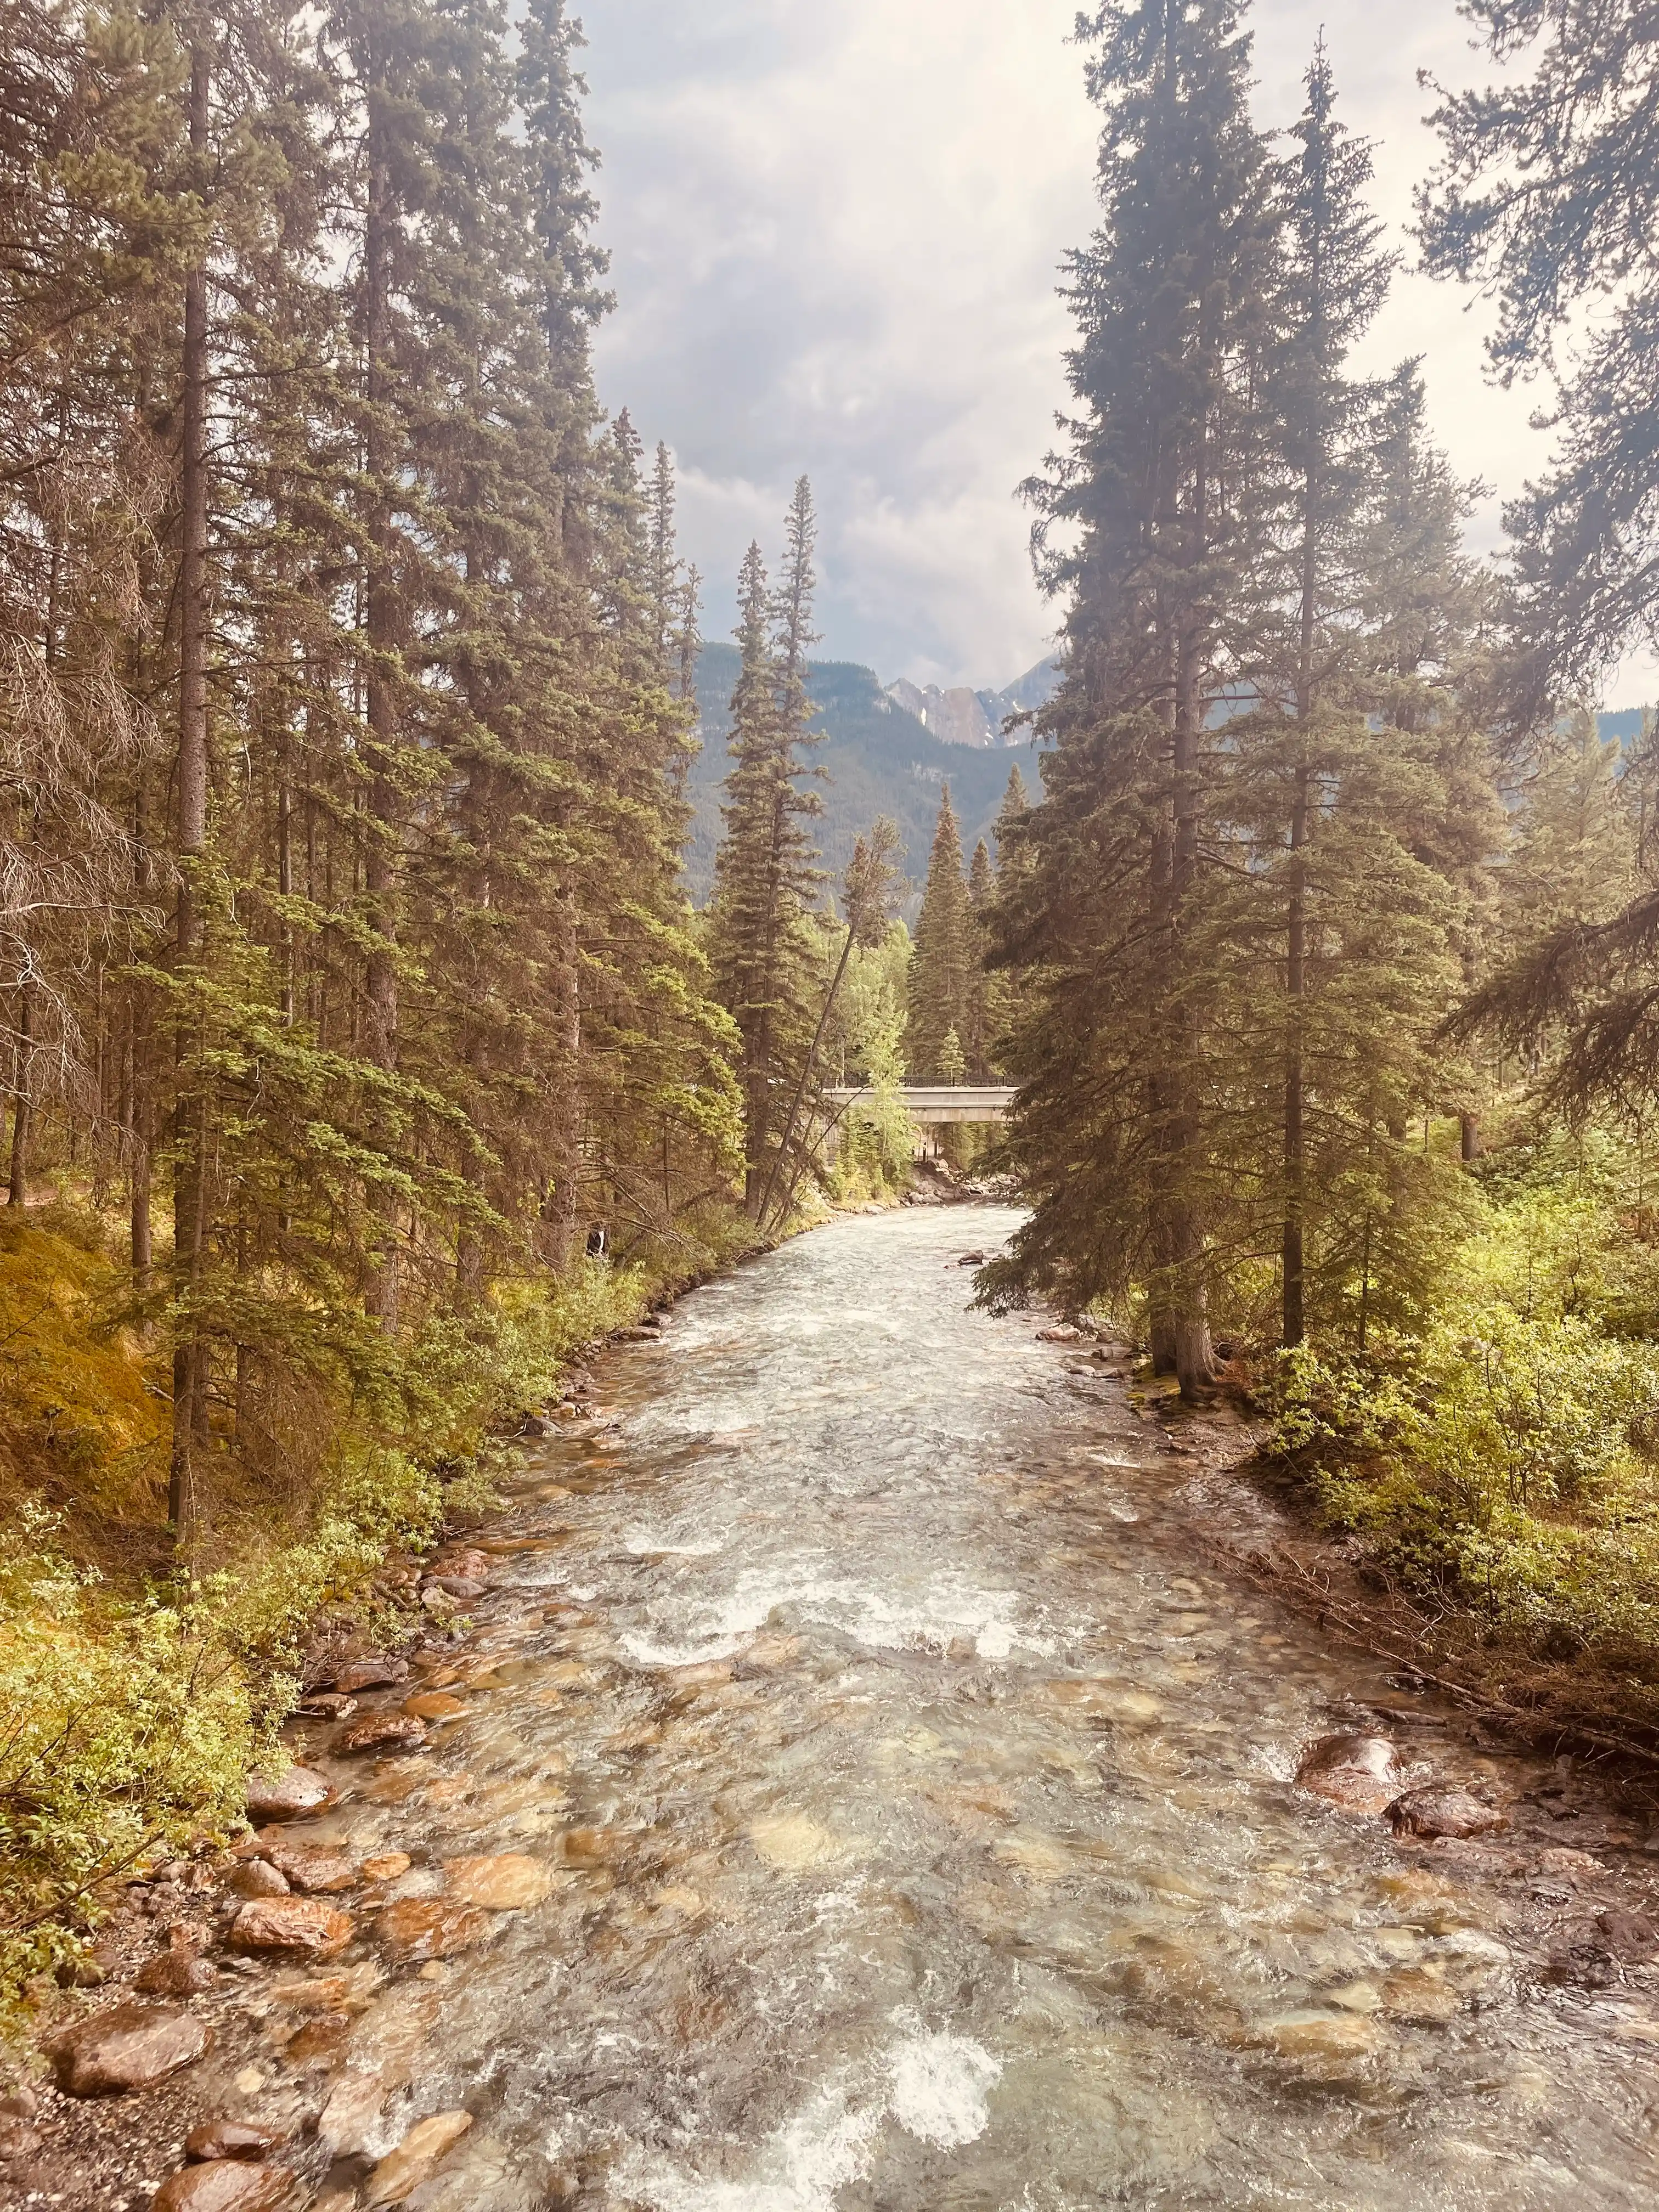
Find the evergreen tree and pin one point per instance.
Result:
(1160, 497)
(766, 870)
(943, 965)
(1582, 132)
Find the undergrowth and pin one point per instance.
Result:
(1504, 1457)
(137, 1691)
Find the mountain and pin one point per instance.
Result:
(877, 757)
(961, 717)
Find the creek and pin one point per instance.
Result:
(914, 1796)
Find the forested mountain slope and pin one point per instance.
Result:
(876, 759)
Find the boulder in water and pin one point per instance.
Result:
(226, 2138)
(402, 2171)
(420, 1927)
(384, 1732)
(297, 1794)
(1432, 1812)
(302, 1924)
(375, 1672)
(1359, 1772)
(312, 1868)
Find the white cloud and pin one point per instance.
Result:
(837, 226)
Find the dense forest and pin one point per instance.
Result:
(1330, 939)
(366, 1053)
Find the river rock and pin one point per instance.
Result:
(177, 1971)
(468, 1561)
(17, 2140)
(257, 1878)
(378, 1672)
(1359, 1772)
(225, 2185)
(1312, 2034)
(511, 1881)
(1062, 1333)
(312, 1868)
(295, 1794)
(402, 2171)
(383, 1732)
(462, 1588)
(1444, 1812)
(420, 1927)
(1629, 1934)
(291, 1924)
(128, 2047)
(227, 2138)
(1419, 1995)
(386, 1866)
(433, 1705)
(328, 1705)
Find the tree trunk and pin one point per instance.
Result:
(22, 1115)
(1294, 1264)
(189, 1193)
(560, 1211)
(380, 870)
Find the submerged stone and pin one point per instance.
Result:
(402, 2171)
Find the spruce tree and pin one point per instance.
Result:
(1158, 495)
(943, 965)
(766, 871)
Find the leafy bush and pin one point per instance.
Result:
(1505, 1459)
(126, 1728)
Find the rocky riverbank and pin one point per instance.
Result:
(611, 1771)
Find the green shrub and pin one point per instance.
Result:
(127, 1728)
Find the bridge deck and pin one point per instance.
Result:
(942, 1102)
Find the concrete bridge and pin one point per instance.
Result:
(935, 1104)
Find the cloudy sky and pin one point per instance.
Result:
(836, 227)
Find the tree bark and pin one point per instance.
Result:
(380, 870)
(189, 1194)
(22, 1115)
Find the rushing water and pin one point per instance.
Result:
(918, 1798)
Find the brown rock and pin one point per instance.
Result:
(511, 1881)
(17, 2139)
(416, 1928)
(311, 1867)
(384, 1732)
(433, 1705)
(224, 2138)
(291, 1924)
(460, 1587)
(328, 1705)
(1359, 1772)
(386, 1866)
(1432, 1812)
(402, 2172)
(293, 1795)
(224, 2185)
(375, 1673)
(127, 2048)
(447, 1790)
(257, 1878)
(1629, 1934)
(471, 1562)
(592, 1847)
(324, 2037)
(22, 2104)
(175, 1973)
